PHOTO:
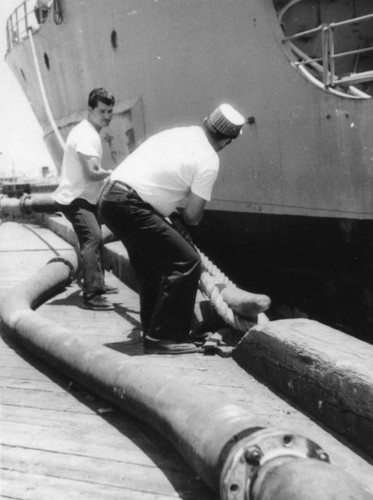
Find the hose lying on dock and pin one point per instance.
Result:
(224, 442)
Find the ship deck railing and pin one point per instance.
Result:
(325, 64)
(30, 15)
(20, 21)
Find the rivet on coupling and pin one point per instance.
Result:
(287, 440)
(234, 488)
(253, 455)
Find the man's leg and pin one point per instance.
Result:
(180, 267)
(158, 250)
(84, 219)
(148, 287)
(167, 268)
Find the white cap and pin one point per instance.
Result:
(226, 120)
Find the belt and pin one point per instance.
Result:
(110, 184)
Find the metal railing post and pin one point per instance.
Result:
(26, 16)
(331, 56)
(12, 30)
(327, 67)
(325, 53)
(8, 37)
(17, 24)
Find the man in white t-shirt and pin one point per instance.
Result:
(174, 170)
(80, 184)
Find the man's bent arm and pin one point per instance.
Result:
(92, 168)
(193, 211)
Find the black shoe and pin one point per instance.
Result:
(109, 290)
(97, 303)
(199, 337)
(155, 346)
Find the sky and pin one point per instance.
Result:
(21, 140)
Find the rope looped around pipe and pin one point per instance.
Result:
(71, 267)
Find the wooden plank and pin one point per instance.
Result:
(89, 438)
(56, 442)
(119, 423)
(326, 372)
(94, 442)
(40, 399)
(24, 486)
(20, 239)
(114, 437)
(54, 418)
(118, 473)
(126, 444)
(30, 385)
(12, 371)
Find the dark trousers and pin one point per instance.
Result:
(167, 267)
(84, 218)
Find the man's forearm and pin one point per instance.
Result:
(98, 174)
(92, 168)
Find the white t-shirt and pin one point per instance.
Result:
(74, 183)
(170, 165)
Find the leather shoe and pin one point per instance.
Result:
(109, 290)
(199, 337)
(156, 346)
(97, 303)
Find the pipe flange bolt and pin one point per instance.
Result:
(253, 452)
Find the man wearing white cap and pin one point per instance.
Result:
(174, 170)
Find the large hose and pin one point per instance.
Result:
(27, 205)
(224, 442)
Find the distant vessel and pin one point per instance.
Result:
(293, 205)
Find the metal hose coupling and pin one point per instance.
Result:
(271, 464)
(25, 204)
(28, 204)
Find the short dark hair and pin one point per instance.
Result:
(102, 95)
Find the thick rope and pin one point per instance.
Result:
(212, 269)
(210, 276)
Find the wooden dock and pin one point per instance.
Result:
(60, 441)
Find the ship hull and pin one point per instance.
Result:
(313, 267)
(305, 151)
(294, 192)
